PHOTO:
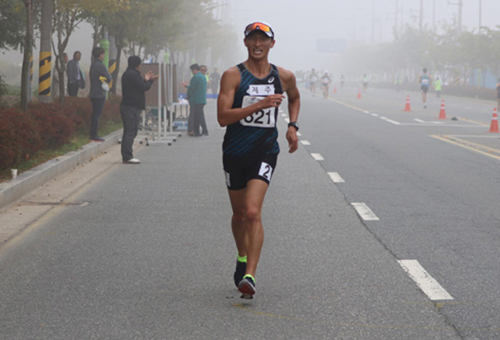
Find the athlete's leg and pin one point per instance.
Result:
(246, 222)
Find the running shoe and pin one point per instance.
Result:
(241, 268)
(247, 287)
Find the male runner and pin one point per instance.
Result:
(313, 79)
(325, 82)
(249, 97)
(425, 82)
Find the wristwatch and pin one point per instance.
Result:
(294, 124)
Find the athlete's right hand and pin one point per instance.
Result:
(273, 100)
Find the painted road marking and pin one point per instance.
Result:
(287, 120)
(390, 121)
(299, 134)
(479, 148)
(305, 142)
(424, 281)
(283, 115)
(364, 212)
(418, 120)
(336, 177)
(317, 157)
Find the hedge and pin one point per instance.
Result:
(47, 126)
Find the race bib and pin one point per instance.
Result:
(263, 118)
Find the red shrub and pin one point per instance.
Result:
(46, 126)
(19, 137)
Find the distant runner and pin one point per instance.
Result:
(425, 82)
(313, 79)
(325, 82)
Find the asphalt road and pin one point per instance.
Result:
(145, 252)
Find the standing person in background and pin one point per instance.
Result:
(437, 87)
(425, 82)
(203, 70)
(99, 79)
(214, 81)
(249, 98)
(74, 74)
(197, 97)
(134, 87)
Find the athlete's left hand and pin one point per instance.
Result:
(293, 139)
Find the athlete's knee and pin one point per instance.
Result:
(253, 215)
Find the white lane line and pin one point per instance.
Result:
(374, 115)
(283, 115)
(390, 121)
(287, 120)
(317, 157)
(364, 212)
(299, 134)
(419, 120)
(336, 177)
(424, 281)
(305, 142)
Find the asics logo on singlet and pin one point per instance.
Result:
(270, 80)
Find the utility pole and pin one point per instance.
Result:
(480, 14)
(373, 22)
(421, 23)
(460, 6)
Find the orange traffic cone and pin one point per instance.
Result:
(335, 89)
(494, 122)
(407, 106)
(442, 112)
(359, 92)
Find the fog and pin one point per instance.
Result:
(301, 27)
(299, 24)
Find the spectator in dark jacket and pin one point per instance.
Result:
(134, 87)
(99, 79)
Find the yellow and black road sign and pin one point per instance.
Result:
(44, 77)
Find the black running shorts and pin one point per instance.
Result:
(424, 88)
(240, 170)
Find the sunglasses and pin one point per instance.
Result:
(261, 27)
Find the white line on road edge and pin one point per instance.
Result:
(317, 157)
(424, 281)
(374, 115)
(419, 120)
(336, 177)
(364, 212)
(305, 142)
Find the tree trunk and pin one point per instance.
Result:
(44, 77)
(28, 51)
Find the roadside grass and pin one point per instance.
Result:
(45, 155)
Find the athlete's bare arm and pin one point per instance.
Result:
(229, 83)
(290, 88)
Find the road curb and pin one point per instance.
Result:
(26, 182)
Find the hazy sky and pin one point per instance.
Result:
(298, 24)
